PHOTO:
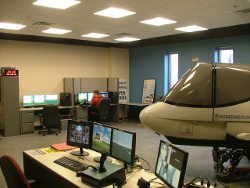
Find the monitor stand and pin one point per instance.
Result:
(80, 153)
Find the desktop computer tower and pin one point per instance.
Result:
(65, 99)
(114, 97)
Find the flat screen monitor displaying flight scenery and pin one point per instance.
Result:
(90, 96)
(39, 100)
(79, 134)
(101, 137)
(28, 100)
(171, 165)
(82, 96)
(104, 94)
(51, 99)
(123, 146)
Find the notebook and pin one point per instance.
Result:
(62, 147)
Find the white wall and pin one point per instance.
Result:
(42, 66)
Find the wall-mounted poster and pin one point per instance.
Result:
(122, 90)
(148, 91)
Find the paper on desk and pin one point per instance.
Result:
(51, 150)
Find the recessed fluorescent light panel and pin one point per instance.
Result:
(114, 12)
(191, 28)
(127, 39)
(158, 21)
(56, 31)
(60, 4)
(11, 26)
(95, 35)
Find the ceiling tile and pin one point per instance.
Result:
(40, 10)
(213, 2)
(234, 6)
(137, 6)
(70, 14)
(12, 5)
(161, 2)
(6, 13)
(108, 3)
(204, 12)
(160, 12)
(86, 8)
(185, 6)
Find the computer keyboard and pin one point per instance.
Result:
(71, 164)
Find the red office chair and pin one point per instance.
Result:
(13, 174)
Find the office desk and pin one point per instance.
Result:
(26, 116)
(123, 107)
(53, 175)
(82, 113)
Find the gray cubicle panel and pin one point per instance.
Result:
(113, 84)
(72, 85)
(91, 84)
(9, 106)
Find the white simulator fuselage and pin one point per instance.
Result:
(208, 106)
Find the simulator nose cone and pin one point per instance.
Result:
(147, 117)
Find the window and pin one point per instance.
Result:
(226, 54)
(173, 68)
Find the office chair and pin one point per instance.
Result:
(103, 111)
(13, 174)
(51, 119)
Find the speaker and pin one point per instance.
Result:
(65, 99)
(114, 97)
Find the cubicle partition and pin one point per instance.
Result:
(81, 85)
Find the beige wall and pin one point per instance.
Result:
(42, 66)
(118, 64)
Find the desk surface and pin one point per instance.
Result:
(135, 104)
(46, 161)
(40, 108)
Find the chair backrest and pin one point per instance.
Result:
(13, 174)
(50, 116)
(104, 107)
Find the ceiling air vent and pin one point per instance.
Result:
(243, 11)
(124, 34)
(43, 24)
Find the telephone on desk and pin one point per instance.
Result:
(84, 103)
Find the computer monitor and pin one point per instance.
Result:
(79, 134)
(28, 100)
(90, 96)
(51, 99)
(123, 146)
(104, 94)
(39, 100)
(82, 96)
(171, 165)
(101, 138)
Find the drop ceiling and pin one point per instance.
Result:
(80, 19)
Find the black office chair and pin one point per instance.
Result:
(103, 111)
(51, 119)
(13, 174)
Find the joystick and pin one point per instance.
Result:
(102, 160)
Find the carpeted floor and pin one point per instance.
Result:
(200, 161)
